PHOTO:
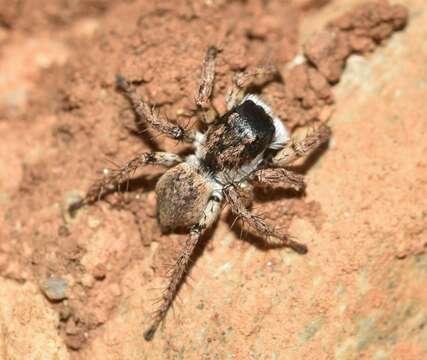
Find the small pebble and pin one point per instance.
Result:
(64, 313)
(71, 327)
(55, 288)
(100, 272)
(87, 280)
(75, 342)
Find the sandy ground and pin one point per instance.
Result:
(83, 287)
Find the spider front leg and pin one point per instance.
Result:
(147, 113)
(238, 208)
(115, 177)
(243, 80)
(296, 149)
(178, 271)
(203, 97)
(277, 176)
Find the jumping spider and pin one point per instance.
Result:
(246, 146)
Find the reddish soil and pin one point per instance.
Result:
(62, 121)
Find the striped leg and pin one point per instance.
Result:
(147, 114)
(114, 177)
(296, 149)
(277, 176)
(232, 197)
(178, 271)
(203, 98)
(243, 80)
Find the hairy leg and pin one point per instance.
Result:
(232, 197)
(181, 265)
(277, 176)
(243, 80)
(296, 149)
(147, 113)
(203, 97)
(114, 177)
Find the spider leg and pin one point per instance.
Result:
(148, 114)
(296, 149)
(203, 97)
(115, 177)
(232, 197)
(180, 267)
(277, 176)
(243, 80)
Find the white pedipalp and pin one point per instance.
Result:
(198, 145)
(281, 134)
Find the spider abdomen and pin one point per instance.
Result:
(182, 195)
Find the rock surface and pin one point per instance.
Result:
(360, 292)
(28, 326)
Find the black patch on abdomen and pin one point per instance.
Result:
(248, 124)
(254, 117)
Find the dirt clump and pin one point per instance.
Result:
(358, 31)
(308, 83)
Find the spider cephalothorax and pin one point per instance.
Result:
(240, 136)
(247, 146)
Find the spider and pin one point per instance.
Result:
(245, 147)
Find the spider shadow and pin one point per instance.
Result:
(129, 186)
(311, 159)
(257, 88)
(142, 130)
(263, 195)
(238, 229)
(146, 183)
